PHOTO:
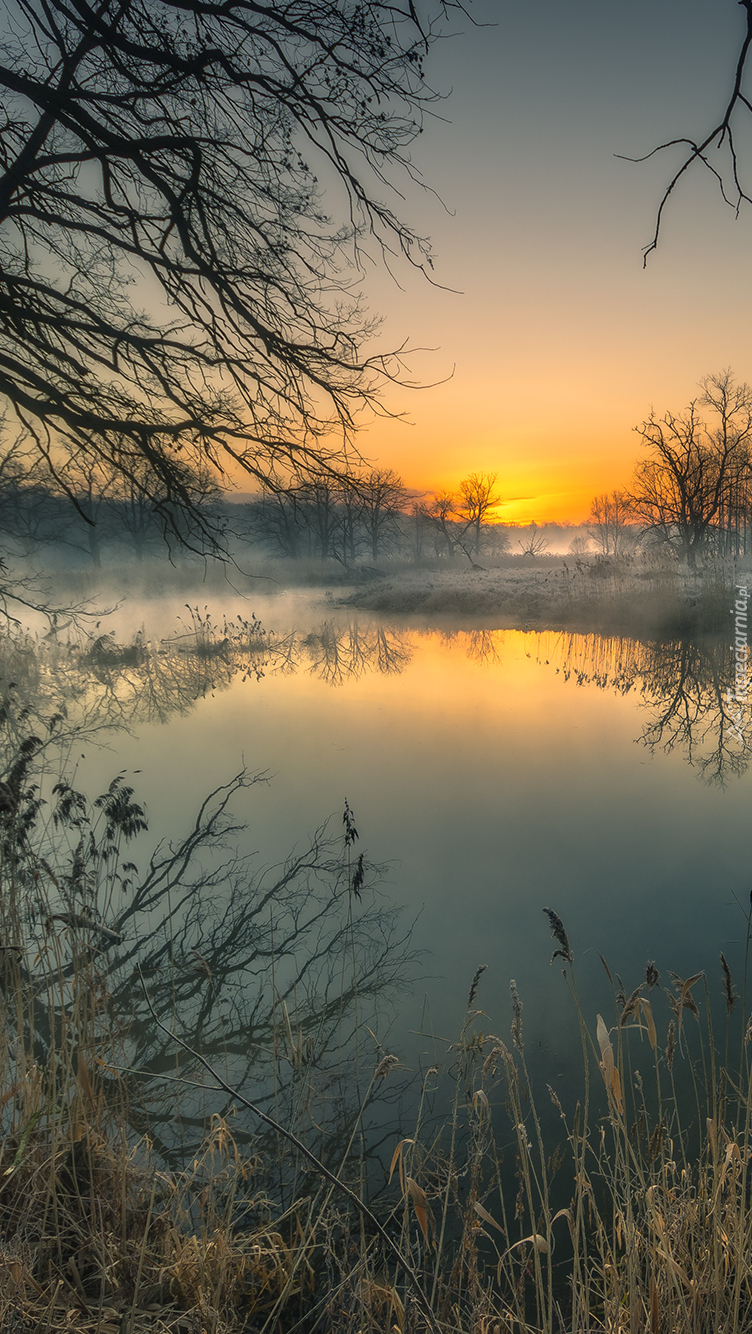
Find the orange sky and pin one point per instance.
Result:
(557, 341)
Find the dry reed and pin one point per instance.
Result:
(622, 1210)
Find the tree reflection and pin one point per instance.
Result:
(94, 683)
(481, 645)
(75, 688)
(686, 684)
(266, 973)
(484, 647)
(334, 655)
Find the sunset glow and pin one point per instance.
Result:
(554, 342)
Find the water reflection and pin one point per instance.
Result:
(256, 970)
(79, 687)
(481, 645)
(271, 975)
(684, 685)
(97, 683)
(334, 655)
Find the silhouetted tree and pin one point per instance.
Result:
(382, 496)
(719, 150)
(440, 513)
(29, 514)
(135, 507)
(320, 508)
(279, 519)
(350, 513)
(609, 515)
(168, 276)
(534, 544)
(477, 498)
(459, 519)
(419, 526)
(694, 470)
(580, 544)
(88, 482)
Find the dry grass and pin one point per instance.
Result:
(621, 1209)
(98, 1232)
(93, 1235)
(633, 1218)
(96, 1238)
(641, 595)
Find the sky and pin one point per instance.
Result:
(554, 342)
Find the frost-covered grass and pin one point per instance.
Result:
(636, 595)
(641, 595)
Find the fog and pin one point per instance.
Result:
(492, 770)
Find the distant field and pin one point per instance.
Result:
(629, 596)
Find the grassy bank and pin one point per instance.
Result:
(137, 1192)
(642, 595)
(637, 596)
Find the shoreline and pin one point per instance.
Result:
(607, 597)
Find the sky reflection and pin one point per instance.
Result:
(493, 786)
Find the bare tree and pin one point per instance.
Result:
(495, 539)
(320, 500)
(609, 515)
(419, 526)
(134, 504)
(88, 483)
(580, 545)
(280, 519)
(350, 512)
(477, 498)
(382, 496)
(693, 469)
(167, 274)
(441, 516)
(458, 519)
(27, 509)
(535, 544)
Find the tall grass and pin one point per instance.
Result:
(635, 1216)
(621, 1207)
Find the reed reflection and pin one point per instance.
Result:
(87, 684)
(684, 684)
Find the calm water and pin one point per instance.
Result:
(496, 773)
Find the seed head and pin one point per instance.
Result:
(474, 984)
(558, 932)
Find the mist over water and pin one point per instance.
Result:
(493, 773)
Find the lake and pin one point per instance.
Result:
(493, 773)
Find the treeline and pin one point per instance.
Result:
(360, 519)
(373, 516)
(690, 494)
(320, 522)
(71, 502)
(348, 522)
